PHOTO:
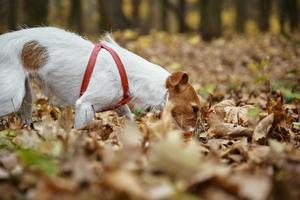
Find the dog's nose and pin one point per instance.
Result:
(195, 109)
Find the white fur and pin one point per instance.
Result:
(63, 73)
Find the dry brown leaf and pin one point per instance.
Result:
(3, 174)
(82, 170)
(48, 128)
(14, 122)
(213, 119)
(129, 152)
(220, 107)
(220, 129)
(249, 186)
(259, 154)
(174, 158)
(229, 113)
(52, 187)
(164, 125)
(9, 161)
(227, 130)
(238, 115)
(27, 139)
(66, 119)
(215, 193)
(124, 181)
(131, 136)
(227, 120)
(8, 191)
(240, 131)
(238, 148)
(209, 171)
(262, 128)
(277, 147)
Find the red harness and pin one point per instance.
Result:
(90, 67)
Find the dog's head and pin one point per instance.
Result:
(185, 101)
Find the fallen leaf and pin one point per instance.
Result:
(249, 186)
(66, 119)
(172, 154)
(3, 174)
(127, 182)
(262, 128)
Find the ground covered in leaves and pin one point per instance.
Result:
(247, 146)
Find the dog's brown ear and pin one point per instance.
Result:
(177, 80)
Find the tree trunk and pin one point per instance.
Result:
(288, 13)
(293, 14)
(154, 16)
(241, 15)
(179, 9)
(135, 13)
(181, 13)
(36, 12)
(57, 14)
(75, 20)
(12, 14)
(3, 19)
(121, 21)
(264, 15)
(112, 15)
(164, 15)
(105, 15)
(211, 24)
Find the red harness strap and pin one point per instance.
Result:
(90, 67)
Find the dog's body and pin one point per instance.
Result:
(59, 59)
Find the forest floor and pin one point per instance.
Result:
(248, 145)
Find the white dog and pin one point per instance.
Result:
(60, 60)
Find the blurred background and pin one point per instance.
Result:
(210, 18)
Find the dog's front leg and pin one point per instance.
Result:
(125, 111)
(84, 114)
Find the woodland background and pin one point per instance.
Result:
(211, 18)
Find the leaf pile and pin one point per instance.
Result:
(247, 146)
